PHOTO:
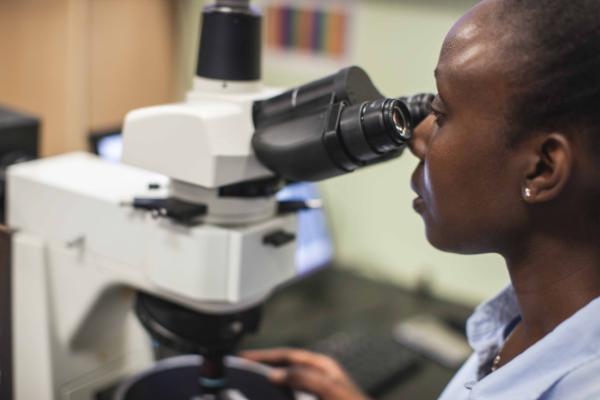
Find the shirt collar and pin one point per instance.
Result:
(571, 344)
(485, 328)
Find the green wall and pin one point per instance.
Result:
(375, 229)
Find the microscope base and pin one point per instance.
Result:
(177, 379)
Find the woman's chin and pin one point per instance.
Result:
(450, 242)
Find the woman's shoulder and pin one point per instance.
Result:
(581, 383)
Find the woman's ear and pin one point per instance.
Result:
(549, 167)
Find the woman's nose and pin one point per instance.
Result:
(418, 144)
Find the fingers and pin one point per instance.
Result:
(302, 378)
(294, 357)
(306, 371)
(310, 380)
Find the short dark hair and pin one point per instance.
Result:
(556, 74)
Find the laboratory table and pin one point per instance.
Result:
(335, 299)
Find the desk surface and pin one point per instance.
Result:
(332, 299)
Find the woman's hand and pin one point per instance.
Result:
(308, 372)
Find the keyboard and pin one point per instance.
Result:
(375, 362)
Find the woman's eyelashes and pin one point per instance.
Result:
(436, 110)
(439, 116)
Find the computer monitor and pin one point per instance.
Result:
(314, 244)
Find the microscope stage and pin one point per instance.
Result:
(177, 379)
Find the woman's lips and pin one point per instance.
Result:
(419, 204)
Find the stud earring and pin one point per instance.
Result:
(527, 193)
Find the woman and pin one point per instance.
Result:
(510, 164)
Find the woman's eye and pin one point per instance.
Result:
(440, 118)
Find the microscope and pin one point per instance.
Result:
(180, 244)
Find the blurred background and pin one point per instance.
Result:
(80, 65)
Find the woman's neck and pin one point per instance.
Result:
(553, 279)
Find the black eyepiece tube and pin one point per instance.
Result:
(419, 106)
(333, 126)
(371, 129)
(350, 85)
(314, 95)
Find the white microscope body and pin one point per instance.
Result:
(80, 252)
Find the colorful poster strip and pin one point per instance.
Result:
(313, 31)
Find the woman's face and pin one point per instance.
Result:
(469, 179)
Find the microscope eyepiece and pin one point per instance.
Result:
(374, 128)
(400, 121)
(333, 126)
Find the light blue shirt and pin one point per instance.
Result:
(564, 365)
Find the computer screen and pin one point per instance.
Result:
(314, 244)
